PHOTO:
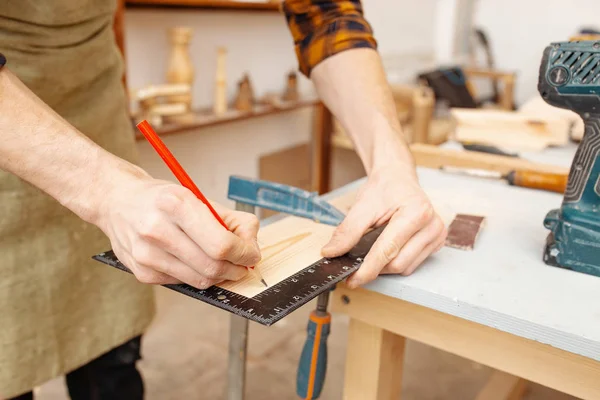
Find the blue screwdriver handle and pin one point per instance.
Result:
(313, 360)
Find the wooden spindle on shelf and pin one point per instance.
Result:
(180, 68)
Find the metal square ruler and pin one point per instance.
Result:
(281, 299)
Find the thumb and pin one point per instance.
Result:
(349, 232)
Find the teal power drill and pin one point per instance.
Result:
(570, 78)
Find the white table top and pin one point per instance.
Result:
(503, 283)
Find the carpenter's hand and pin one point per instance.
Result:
(414, 229)
(164, 234)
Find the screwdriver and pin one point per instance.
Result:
(313, 359)
(169, 159)
(522, 178)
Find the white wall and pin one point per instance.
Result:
(519, 30)
(260, 44)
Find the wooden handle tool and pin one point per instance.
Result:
(528, 179)
(538, 180)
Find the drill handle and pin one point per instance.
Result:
(583, 176)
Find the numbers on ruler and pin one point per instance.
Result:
(314, 287)
(311, 270)
(294, 280)
(330, 276)
(296, 298)
(276, 290)
(345, 268)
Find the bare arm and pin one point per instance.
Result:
(337, 50)
(157, 228)
(353, 86)
(42, 148)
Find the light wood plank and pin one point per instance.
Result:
(510, 130)
(374, 363)
(287, 247)
(434, 157)
(531, 360)
(503, 386)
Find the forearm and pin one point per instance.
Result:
(40, 147)
(352, 84)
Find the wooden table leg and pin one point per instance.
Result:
(503, 386)
(374, 362)
(321, 149)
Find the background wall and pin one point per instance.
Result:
(519, 31)
(260, 44)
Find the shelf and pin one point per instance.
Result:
(207, 4)
(205, 118)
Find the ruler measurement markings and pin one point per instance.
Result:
(283, 297)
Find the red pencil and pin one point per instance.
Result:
(181, 175)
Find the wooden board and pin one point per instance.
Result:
(436, 157)
(287, 247)
(510, 130)
(537, 105)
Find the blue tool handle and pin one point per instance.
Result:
(283, 198)
(313, 360)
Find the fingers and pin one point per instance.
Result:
(197, 222)
(151, 259)
(418, 247)
(350, 231)
(431, 248)
(173, 240)
(401, 228)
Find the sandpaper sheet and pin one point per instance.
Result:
(463, 231)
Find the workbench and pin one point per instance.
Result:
(498, 305)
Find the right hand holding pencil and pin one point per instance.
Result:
(164, 234)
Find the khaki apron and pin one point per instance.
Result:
(59, 309)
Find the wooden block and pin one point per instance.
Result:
(510, 130)
(463, 231)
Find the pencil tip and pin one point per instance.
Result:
(264, 283)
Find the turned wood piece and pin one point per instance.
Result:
(291, 91)
(220, 106)
(152, 95)
(244, 100)
(423, 105)
(180, 68)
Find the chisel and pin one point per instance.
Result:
(522, 178)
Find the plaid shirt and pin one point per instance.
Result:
(322, 28)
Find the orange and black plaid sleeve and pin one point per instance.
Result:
(322, 28)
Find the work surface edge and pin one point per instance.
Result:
(415, 289)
